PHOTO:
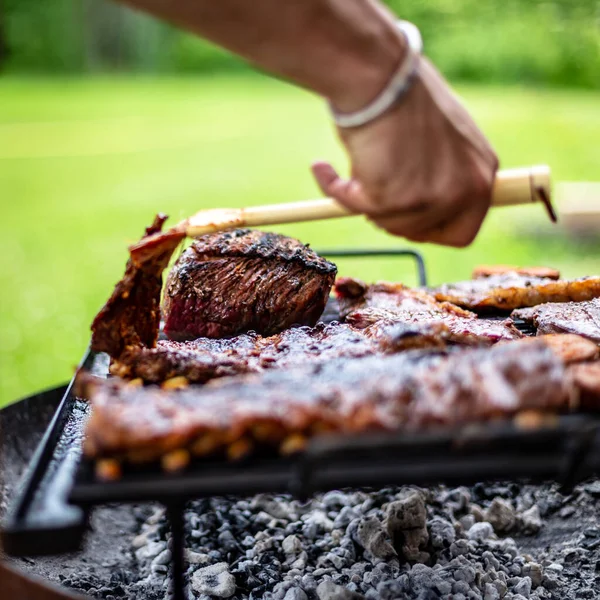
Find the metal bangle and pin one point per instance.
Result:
(397, 87)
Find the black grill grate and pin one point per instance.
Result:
(50, 511)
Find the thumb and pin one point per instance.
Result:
(348, 192)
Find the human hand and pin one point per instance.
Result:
(423, 170)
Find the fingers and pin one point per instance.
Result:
(451, 224)
(460, 231)
(347, 192)
(457, 232)
(353, 196)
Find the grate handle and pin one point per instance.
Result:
(367, 252)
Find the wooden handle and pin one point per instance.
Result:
(521, 186)
(512, 186)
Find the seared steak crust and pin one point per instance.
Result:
(412, 390)
(581, 318)
(243, 280)
(362, 305)
(512, 290)
(131, 316)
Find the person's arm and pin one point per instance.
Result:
(423, 169)
(327, 46)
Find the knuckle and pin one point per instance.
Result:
(413, 198)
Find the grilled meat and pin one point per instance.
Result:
(283, 408)
(582, 318)
(586, 378)
(131, 317)
(511, 290)
(488, 270)
(204, 359)
(362, 305)
(411, 320)
(243, 280)
(572, 348)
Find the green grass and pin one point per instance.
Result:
(85, 164)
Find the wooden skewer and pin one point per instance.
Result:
(511, 187)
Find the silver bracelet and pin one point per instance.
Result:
(398, 85)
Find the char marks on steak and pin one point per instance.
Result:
(131, 317)
(363, 305)
(242, 280)
(511, 290)
(283, 408)
(581, 318)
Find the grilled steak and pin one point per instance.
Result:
(243, 280)
(582, 318)
(362, 305)
(511, 290)
(285, 407)
(131, 317)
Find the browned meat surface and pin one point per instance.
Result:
(489, 270)
(582, 318)
(572, 348)
(586, 378)
(243, 280)
(131, 317)
(362, 305)
(393, 336)
(511, 290)
(285, 407)
(204, 359)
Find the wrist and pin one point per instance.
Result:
(362, 74)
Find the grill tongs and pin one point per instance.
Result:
(512, 186)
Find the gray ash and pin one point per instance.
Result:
(487, 542)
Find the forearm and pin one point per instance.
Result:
(344, 50)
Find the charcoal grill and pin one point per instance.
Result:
(50, 510)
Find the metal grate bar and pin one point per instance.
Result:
(365, 253)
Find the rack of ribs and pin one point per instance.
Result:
(581, 318)
(284, 408)
(203, 359)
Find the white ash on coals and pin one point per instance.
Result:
(396, 543)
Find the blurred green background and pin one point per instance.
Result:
(107, 117)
